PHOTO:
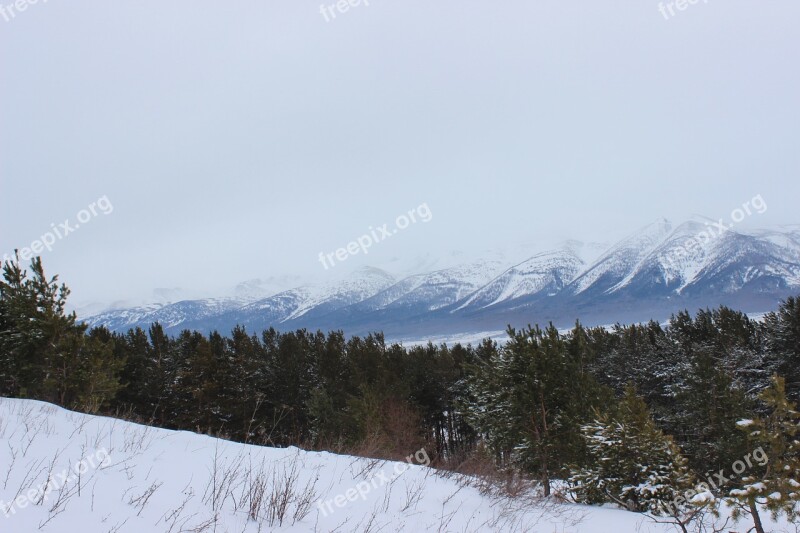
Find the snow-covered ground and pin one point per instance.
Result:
(467, 338)
(66, 472)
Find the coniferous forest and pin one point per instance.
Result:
(634, 415)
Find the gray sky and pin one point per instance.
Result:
(239, 139)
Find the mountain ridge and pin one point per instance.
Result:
(649, 274)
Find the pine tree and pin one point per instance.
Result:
(488, 401)
(48, 353)
(11, 300)
(775, 485)
(246, 389)
(135, 388)
(526, 404)
(707, 406)
(331, 421)
(97, 375)
(783, 344)
(631, 462)
(20, 339)
(709, 361)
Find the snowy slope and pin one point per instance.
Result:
(71, 473)
(139, 479)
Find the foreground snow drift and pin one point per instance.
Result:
(67, 472)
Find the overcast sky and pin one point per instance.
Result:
(239, 139)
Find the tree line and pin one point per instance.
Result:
(633, 414)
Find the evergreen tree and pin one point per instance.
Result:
(136, 383)
(488, 401)
(49, 355)
(525, 402)
(8, 372)
(713, 357)
(247, 387)
(783, 344)
(331, 421)
(97, 375)
(631, 462)
(773, 483)
(708, 404)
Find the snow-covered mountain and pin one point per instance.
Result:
(650, 274)
(620, 261)
(168, 315)
(435, 290)
(544, 274)
(693, 259)
(302, 304)
(255, 289)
